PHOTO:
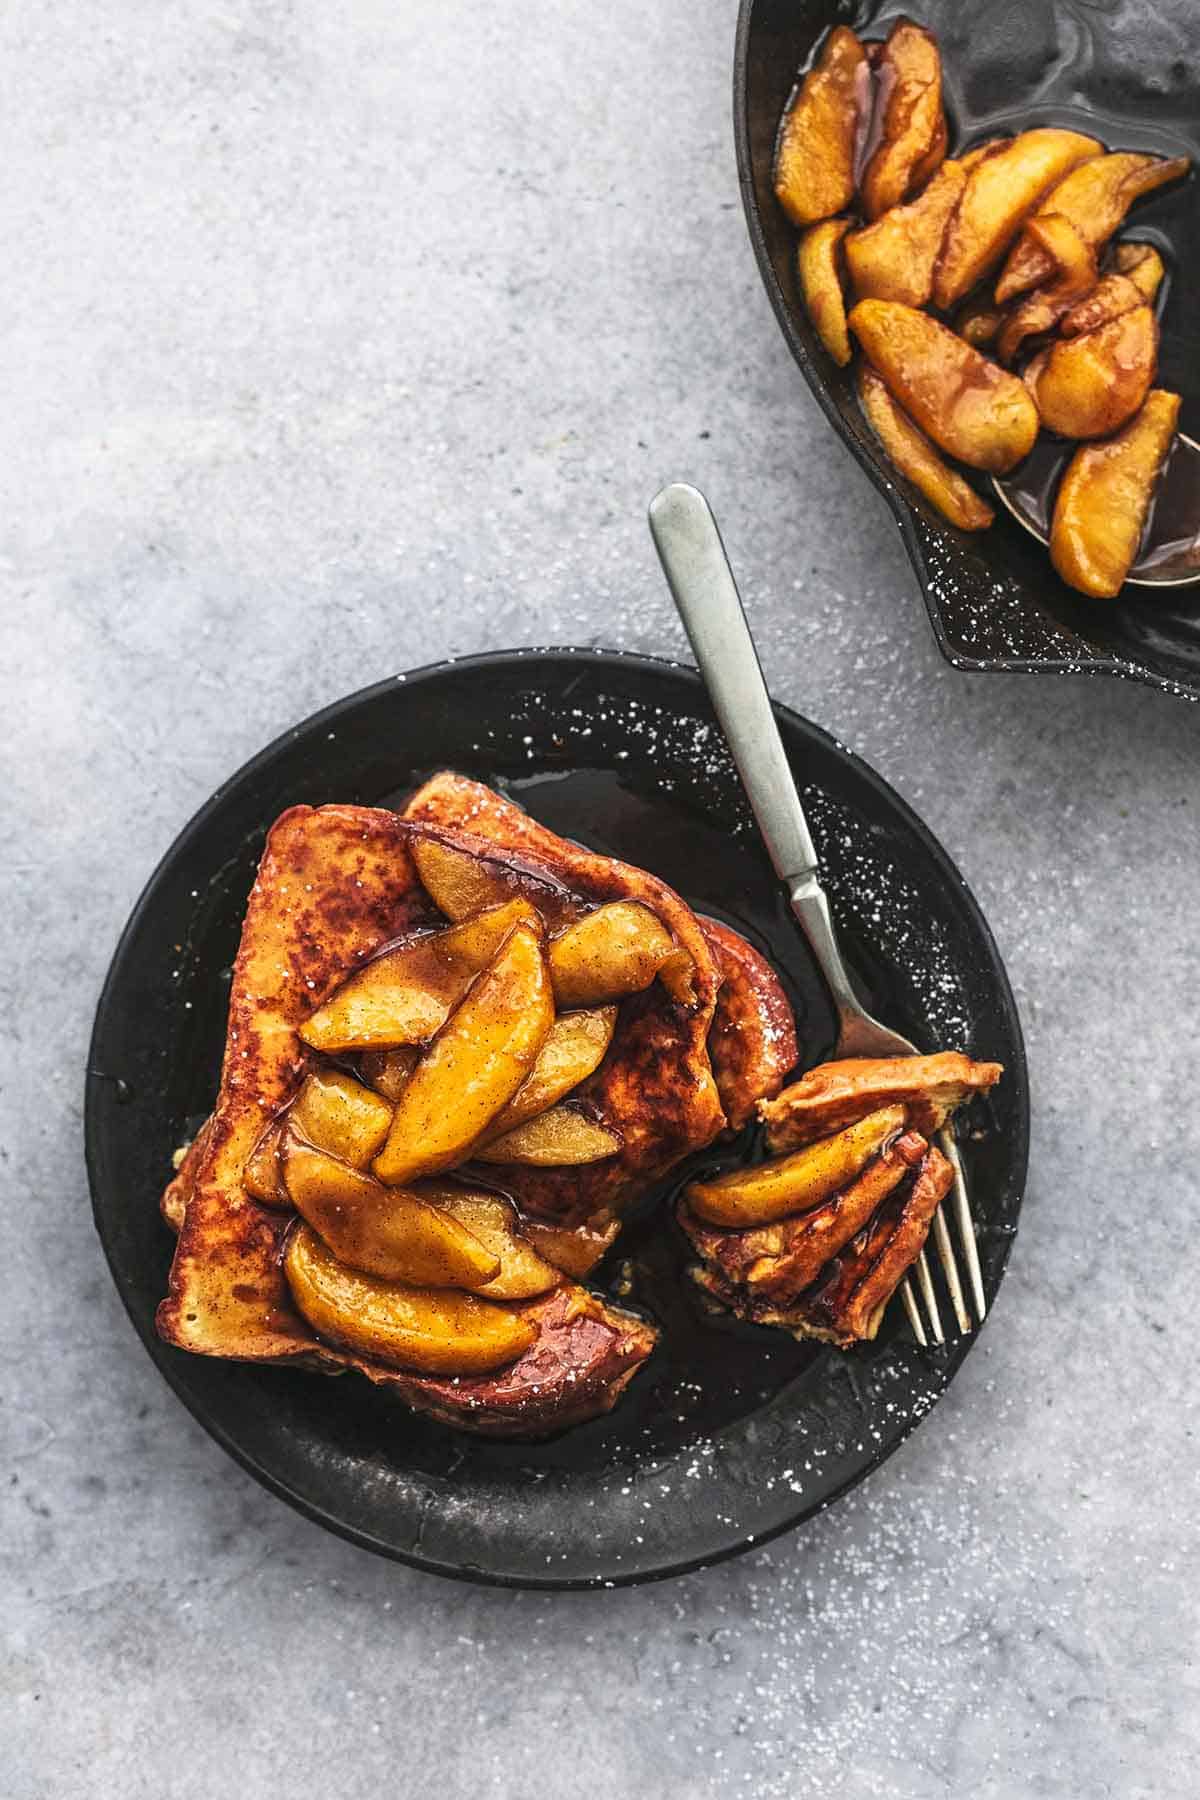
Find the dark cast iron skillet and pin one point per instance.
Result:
(1127, 72)
(731, 1433)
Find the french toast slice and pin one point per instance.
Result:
(844, 1302)
(776, 1262)
(827, 1270)
(335, 886)
(836, 1093)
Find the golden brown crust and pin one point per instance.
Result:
(586, 1354)
(334, 885)
(835, 1094)
(829, 1272)
(752, 1043)
(173, 1204)
(847, 1304)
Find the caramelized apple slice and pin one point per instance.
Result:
(1088, 386)
(261, 1176)
(1118, 292)
(461, 884)
(614, 951)
(1142, 264)
(1000, 192)
(1095, 197)
(974, 410)
(916, 459)
(493, 1220)
(405, 995)
(339, 1114)
(678, 975)
(821, 285)
(474, 1066)
(1072, 257)
(894, 258)
(575, 1249)
(913, 136)
(1074, 276)
(389, 1232)
(1112, 296)
(388, 1070)
(971, 158)
(475, 941)
(458, 884)
(557, 1138)
(575, 1047)
(1104, 499)
(794, 1183)
(437, 1332)
(1031, 373)
(814, 161)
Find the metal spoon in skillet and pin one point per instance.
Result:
(1170, 553)
(706, 597)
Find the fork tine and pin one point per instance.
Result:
(925, 1281)
(966, 1227)
(949, 1262)
(913, 1311)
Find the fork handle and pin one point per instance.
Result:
(697, 570)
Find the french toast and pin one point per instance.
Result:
(817, 1239)
(834, 1094)
(752, 1039)
(846, 1302)
(690, 1053)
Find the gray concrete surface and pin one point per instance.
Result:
(341, 338)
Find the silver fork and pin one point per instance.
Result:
(705, 594)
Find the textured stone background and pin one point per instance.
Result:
(342, 337)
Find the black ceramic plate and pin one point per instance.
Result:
(731, 1433)
(1125, 71)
